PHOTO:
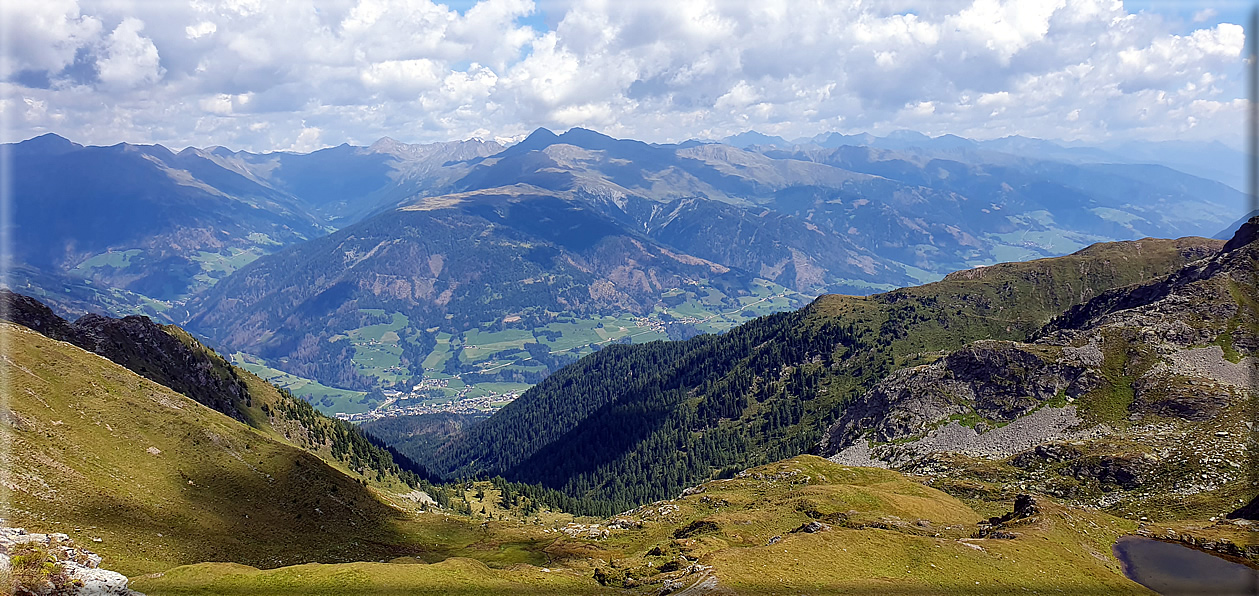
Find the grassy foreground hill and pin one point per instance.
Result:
(151, 479)
(169, 356)
(98, 452)
(877, 532)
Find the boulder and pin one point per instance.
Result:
(97, 582)
(1247, 511)
(1024, 506)
(811, 528)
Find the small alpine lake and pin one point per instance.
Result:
(1173, 569)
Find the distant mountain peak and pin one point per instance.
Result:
(835, 139)
(584, 133)
(48, 137)
(539, 134)
(749, 138)
(386, 145)
(49, 144)
(906, 134)
(537, 140)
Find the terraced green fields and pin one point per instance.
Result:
(504, 357)
(323, 397)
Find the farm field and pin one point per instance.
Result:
(480, 369)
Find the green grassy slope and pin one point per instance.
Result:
(456, 577)
(98, 452)
(888, 534)
(170, 356)
(79, 431)
(882, 543)
(1008, 300)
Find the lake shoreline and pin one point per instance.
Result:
(1174, 567)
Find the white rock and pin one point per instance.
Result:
(98, 582)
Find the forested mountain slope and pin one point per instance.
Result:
(142, 218)
(514, 259)
(633, 423)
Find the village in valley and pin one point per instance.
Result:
(418, 401)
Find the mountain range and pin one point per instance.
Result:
(1038, 411)
(1211, 160)
(483, 268)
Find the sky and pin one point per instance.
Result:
(265, 75)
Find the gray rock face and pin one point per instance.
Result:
(1125, 472)
(999, 381)
(1019, 437)
(1192, 306)
(1174, 398)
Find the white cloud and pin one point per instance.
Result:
(403, 78)
(1005, 28)
(219, 104)
(307, 140)
(200, 30)
(261, 75)
(129, 59)
(44, 34)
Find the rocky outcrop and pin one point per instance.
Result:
(1024, 506)
(1190, 306)
(1100, 400)
(79, 572)
(696, 528)
(985, 384)
(1248, 511)
(997, 527)
(163, 354)
(1125, 471)
(812, 527)
(1188, 399)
